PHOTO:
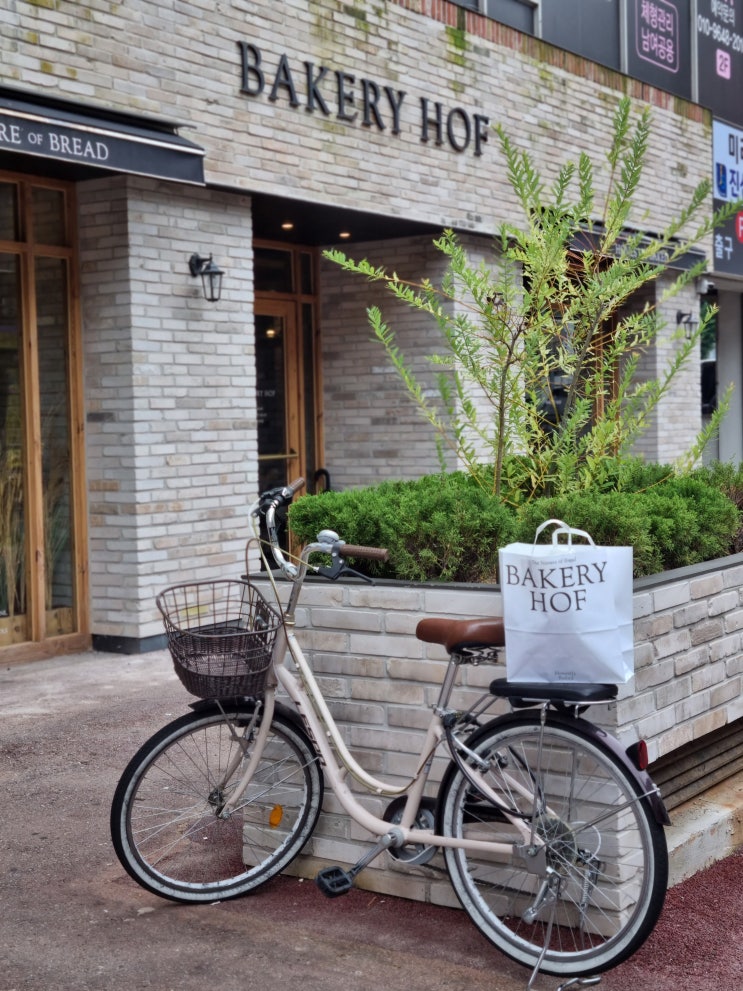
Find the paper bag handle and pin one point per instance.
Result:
(562, 528)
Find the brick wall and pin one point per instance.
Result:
(677, 420)
(169, 391)
(180, 64)
(170, 394)
(380, 682)
(373, 430)
(688, 655)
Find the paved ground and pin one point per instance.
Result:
(71, 920)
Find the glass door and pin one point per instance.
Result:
(13, 618)
(278, 394)
(286, 348)
(42, 539)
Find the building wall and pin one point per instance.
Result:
(501, 76)
(170, 395)
(675, 424)
(183, 63)
(330, 106)
(678, 417)
(373, 429)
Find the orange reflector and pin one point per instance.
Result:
(275, 817)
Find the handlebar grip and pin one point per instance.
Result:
(371, 553)
(296, 485)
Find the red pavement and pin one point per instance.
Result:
(698, 942)
(696, 946)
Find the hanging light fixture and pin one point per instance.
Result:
(211, 276)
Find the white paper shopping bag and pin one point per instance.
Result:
(567, 610)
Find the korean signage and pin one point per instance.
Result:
(659, 44)
(720, 57)
(665, 41)
(727, 143)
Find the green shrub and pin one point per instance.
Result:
(635, 475)
(447, 528)
(728, 478)
(679, 521)
(440, 527)
(692, 521)
(359, 515)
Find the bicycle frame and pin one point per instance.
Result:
(541, 819)
(338, 763)
(322, 728)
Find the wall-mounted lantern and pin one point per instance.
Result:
(685, 320)
(211, 276)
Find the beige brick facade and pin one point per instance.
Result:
(381, 681)
(382, 109)
(170, 425)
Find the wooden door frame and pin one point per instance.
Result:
(300, 299)
(293, 380)
(27, 251)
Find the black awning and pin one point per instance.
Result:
(590, 240)
(114, 144)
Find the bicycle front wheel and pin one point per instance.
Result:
(167, 823)
(590, 889)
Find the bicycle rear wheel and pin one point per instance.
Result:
(166, 822)
(596, 889)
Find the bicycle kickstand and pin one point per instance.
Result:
(335, 881)
(573, 982)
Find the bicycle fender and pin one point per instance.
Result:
(645, 784)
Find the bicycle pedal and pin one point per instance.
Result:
(334, 881)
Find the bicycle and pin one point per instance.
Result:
(551, 832)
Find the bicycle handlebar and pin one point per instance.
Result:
(328, 542)
(295, 486)
(280, 496)
(370, 553)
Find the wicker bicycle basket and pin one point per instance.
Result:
(220, 636)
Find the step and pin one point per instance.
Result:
(705, 829)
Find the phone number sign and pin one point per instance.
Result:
(727, 147)
(719, 30)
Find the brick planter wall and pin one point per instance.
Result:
(381, 681)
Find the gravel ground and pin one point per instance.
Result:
(73, 921)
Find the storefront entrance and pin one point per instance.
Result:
(289, 437)
(42, 531)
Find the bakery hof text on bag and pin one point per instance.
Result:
(567, 610)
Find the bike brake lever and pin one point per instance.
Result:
(329, 543)
(339, 567)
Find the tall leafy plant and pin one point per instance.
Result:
(541, 348)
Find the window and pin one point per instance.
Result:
(42, 540)
(519, 14)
